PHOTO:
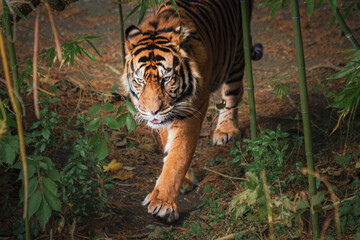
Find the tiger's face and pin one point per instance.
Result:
(158, 76)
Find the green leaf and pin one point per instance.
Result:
(101, 150)
(130, 107)
(144, 5)
(22, 16)
(52, 200)
(120, 109)
(109, 107)
(34, 203)
(94, 138)
(50, 185)
(122, 119)
(343, 73)
(82, 166)
(310, 7)
(31, 165)
(54, 174)
(89, 54)
(174, 5)
(111, 122)
(33, 185)
(92, 45)
(46, 133)
(94, 109)
(44, 213)
(130, 123)
(301, 204)
(282, 90)
(132, 12)
(317, 199)
(93, 125)
(7, 153)
(274, 9)
(107, 139)
(114, 88)
(195, 228)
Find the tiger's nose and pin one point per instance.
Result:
(154, 111)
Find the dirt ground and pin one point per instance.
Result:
(126, 218)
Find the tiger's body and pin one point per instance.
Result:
(173, 63)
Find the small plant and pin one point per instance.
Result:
(267, 151)
(97, 123)
(83, 181)
(44, 178)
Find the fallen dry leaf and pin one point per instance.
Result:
(123, 175)
(113, 166)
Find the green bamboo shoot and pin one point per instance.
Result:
(122, 39)
(304, 108)
(245, 16)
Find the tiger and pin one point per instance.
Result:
(174, 61)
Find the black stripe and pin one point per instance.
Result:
(154, 24)
(232, 92)
(144, 59)
(151, 47)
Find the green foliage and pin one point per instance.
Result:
(82, 178)
(282, 90)
(251, 206)
(350, 211)
(143, 5)
(267, 151)
(72, 50)
(100, 140)
(43, 176)
(347, 101)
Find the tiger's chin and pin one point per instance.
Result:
(156, 124)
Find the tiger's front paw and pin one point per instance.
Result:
(224, 133)
(163, 207)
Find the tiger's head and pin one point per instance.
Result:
(159, 74)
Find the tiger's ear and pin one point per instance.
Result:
(181, 33)
(132, 35)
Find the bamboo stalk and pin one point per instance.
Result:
(304, 108)
(12, 52)
(35, 63)
(20, 134)
(245, 16)
(122, 38)
(56, 36)
(343, 24)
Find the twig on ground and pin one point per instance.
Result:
(223, 175)
(325, 226)
(334, 198)
(233, 235)
(327, 64)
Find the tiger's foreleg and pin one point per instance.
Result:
(190, 180)
(232, 91)
(181, 136)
